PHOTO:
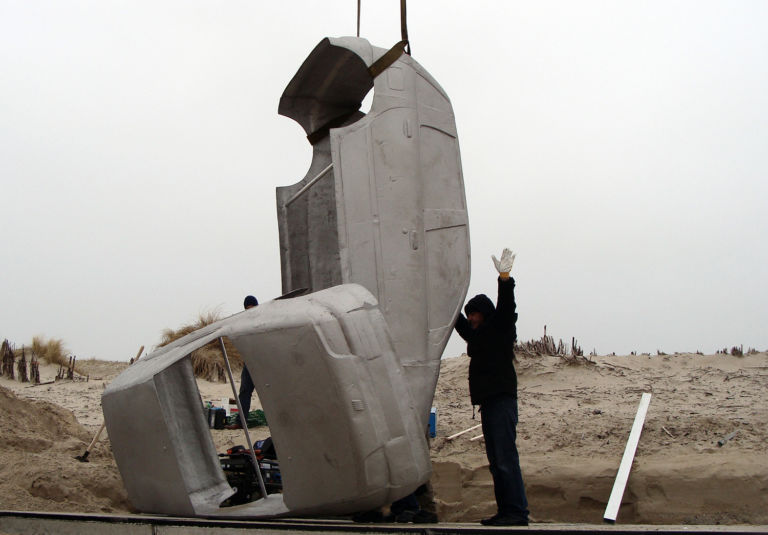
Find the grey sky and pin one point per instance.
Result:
(621, 149)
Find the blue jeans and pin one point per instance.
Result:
(499, 418)
(246, 390)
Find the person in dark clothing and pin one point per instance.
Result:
(246, 383)
(418, 507)
(490, 334)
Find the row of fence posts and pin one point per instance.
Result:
(68, 371)
(547, 346)
(10, 367)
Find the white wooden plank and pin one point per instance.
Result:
(612, 509)
(462, 432)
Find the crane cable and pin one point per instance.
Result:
(406, 45)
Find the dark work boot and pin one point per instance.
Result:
(425, 517)
(368, 517)
(504, 520)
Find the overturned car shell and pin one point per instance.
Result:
(342, 420)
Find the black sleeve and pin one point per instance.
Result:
(462, 327)
(505, 303)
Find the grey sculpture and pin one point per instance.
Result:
(382, 204)
(340, 414)
(377, 230)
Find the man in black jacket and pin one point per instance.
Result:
(490, 335)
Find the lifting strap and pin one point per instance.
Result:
(318, 135)
(389, 57)
(403, 25)
(381, 64)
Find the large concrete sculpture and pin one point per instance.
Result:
(377, 230)
(382, 204)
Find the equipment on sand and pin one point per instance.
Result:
(84, 457)
(241, 473)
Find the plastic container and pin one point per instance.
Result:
(433, 423)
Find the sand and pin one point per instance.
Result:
(574, 423)
(575, 418)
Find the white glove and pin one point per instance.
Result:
(505, 264)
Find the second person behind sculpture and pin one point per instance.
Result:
(246, 382)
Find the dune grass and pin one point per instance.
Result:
(51, 350)
(208, 361)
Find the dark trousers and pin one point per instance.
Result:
(246, 390)
(499, 418)
(409, 503)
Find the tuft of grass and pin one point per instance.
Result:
(204, 319)
(207, 361)
(52, 350)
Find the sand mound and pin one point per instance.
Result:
(575, 418)
(39, 441)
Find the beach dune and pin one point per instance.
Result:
(702, 456)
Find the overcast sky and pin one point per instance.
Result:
(620, 148)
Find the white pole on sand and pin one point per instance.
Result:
(462, 432)
(612, 509)
(243, 420)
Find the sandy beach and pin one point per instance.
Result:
(575, 418)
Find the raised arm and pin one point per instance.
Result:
(505, 303)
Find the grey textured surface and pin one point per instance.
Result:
(390, 214)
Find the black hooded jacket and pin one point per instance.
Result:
(491, 346)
